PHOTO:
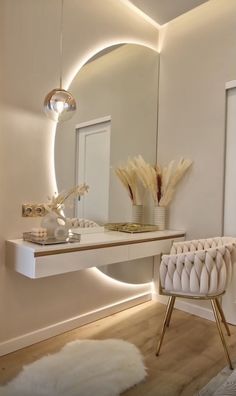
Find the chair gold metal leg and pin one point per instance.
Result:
(170, 311)
(222, 316)
(167, 314)
(216, 314)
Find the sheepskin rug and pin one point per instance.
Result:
(81, 368)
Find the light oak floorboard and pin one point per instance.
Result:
(191, 353)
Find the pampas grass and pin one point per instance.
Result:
(57, 201)
(129, 178)
(172, 174)
(160, 181)
(146, 173)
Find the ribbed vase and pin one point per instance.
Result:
(137, 213)
(159, 217)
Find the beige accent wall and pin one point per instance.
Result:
(29, 68)
(198, 57)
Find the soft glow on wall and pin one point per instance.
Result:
(98, 49)
(162, 36)
(116, 282)
(141, 13)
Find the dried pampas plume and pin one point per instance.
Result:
(128, 177)
(57, 202)
(160, 181)
(171, 177)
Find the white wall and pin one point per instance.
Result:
(197, 59)
(29, 68)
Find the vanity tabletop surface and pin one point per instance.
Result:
(93, 250)
(101, 239)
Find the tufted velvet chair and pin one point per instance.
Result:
(199, 269)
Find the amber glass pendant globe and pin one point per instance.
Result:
(59, 105)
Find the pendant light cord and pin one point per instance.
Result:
(61, 42)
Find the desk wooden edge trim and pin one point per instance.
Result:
(104, 245)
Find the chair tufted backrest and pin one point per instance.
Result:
(200, 244)
(198, 267)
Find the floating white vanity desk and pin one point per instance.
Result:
(94, 250)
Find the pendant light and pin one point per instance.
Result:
(59, 104)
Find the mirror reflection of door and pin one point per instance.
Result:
(92, 167)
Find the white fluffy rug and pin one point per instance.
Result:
(81, 368)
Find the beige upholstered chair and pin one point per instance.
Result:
(198, 269)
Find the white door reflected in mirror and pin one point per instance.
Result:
(93, 167)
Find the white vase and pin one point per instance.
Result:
(159, 217)
(137, 213)
(56, 227)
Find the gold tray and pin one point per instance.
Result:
(27, 236)
(131, 227)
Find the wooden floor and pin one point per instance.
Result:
(191, 354)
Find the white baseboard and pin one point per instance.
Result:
(70, 324)
(187, 306)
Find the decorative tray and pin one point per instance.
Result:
(131, 227)
(27, 236)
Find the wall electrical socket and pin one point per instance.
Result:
(33, 210)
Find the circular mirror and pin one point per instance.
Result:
(116, 93)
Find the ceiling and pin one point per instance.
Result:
(163, 11)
